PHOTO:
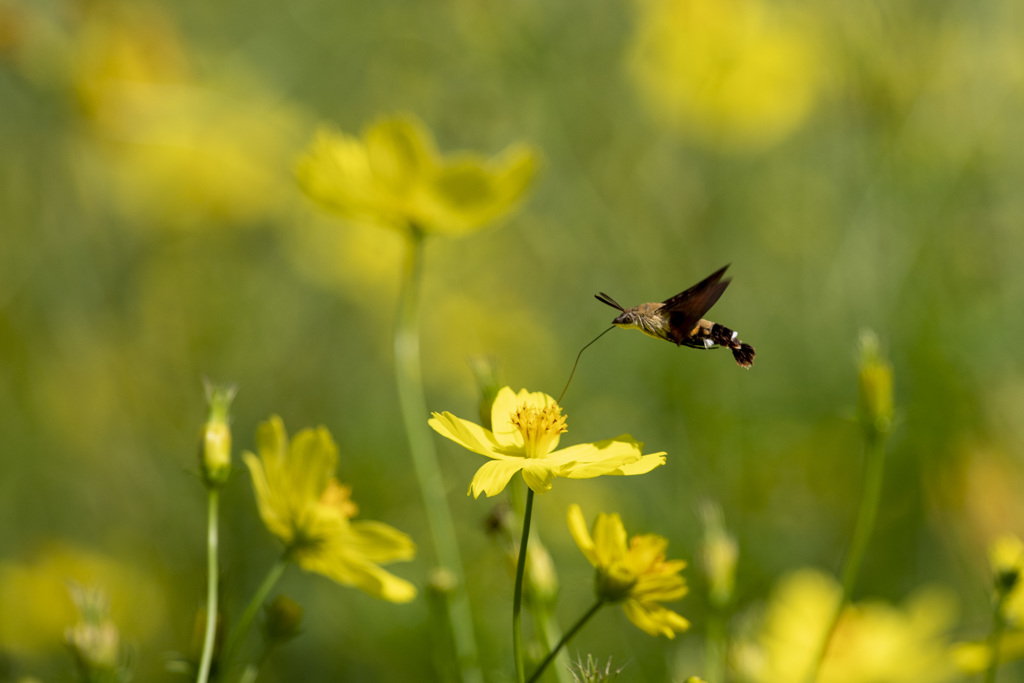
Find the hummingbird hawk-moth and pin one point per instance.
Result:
(680, 319)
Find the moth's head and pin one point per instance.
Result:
(630, 318)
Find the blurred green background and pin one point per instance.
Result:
(859, 165)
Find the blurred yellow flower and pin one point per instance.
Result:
(302, 503)
(1006, 560)
(395, 176)
(526, 429)
(635, 574)
(36, 590)
(873, 642)
(176, 148)
(734, 74)
(1006, 557)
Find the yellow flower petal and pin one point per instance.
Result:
(581, 534)
(265, 499)
(493, 477)
(313, 460)
(538, 474)
(467, 434)
(379, 542)
(400, 151)
(365, 576)
(654, 619)
(468, 192)
(609, 539)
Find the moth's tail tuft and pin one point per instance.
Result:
(723, 336)
(744, 355)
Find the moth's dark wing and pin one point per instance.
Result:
(605, 299)
(687, 308)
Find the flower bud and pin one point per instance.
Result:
(215, 440)
(95, 640)
(719, 554)
(283, 620)
(875, 380)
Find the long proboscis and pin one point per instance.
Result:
(578, 361)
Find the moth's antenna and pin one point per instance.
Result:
(605, 299)
(578, 361)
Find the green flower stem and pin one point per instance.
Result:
(409, 376)
(213, 505)
(517, 597)
(565, 639)
(874, 472)
(549, 633)
(717, 649)
(242, 627)
(995, 637)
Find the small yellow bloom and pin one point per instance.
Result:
(733, 74)
(635, 574)
(873, 641)
(302, 503)
(396, 176)
(525, 429)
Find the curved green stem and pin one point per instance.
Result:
(213, 505)
(409, 376)
(245, 622)
(995, 637)
(874, 473)
(517, 598)
(565, 639)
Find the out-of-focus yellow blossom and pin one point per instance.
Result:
(302, 503)
(734, 74)
(36, 591)
(873, 642)
(974, 658)
(395, 176)
(634, 573)
(1006, 560)
(1006, 557)
(525, 430)
(178, 149)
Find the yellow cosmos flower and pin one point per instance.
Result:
(734, 74)
(302, 503)
(396, 176)
(634, 573)
(525, 429)
(872, 642)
